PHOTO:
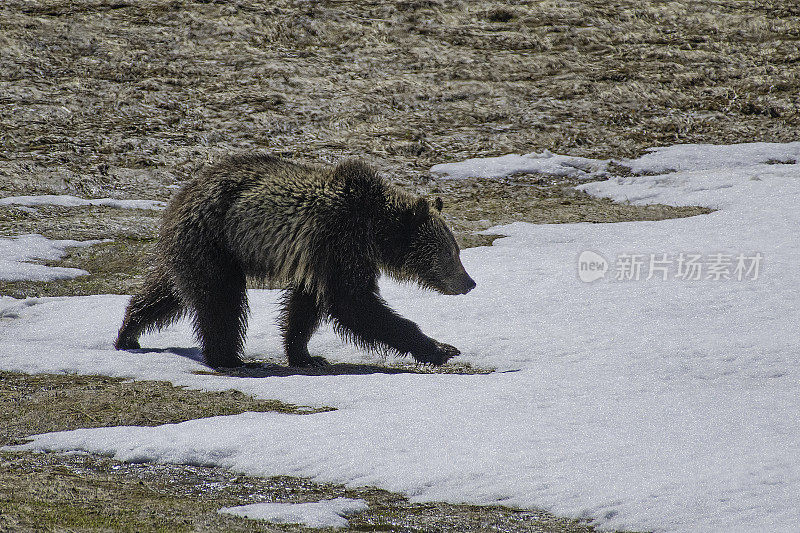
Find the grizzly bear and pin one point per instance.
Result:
(325, 233)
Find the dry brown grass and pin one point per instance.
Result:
(121, 97)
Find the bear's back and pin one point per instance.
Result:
(280, 218)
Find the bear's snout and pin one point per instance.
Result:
(463, 286)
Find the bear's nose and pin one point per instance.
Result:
(469, 285)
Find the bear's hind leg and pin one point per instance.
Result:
(155, 306)
(300, 318)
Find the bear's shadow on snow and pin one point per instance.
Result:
(264, 369)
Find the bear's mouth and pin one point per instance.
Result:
(463, 287)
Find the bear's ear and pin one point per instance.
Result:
(418, 213)
(438, 204)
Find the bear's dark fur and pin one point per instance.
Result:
(324, 232)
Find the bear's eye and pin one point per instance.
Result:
(449, 258)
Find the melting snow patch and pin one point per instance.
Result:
(325, 513)
(659, 160)
(539, 163)
(710, 156)
(17, 251)
(73, 201)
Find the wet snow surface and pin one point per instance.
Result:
(18, 255)
(65, 200)
(325, 513)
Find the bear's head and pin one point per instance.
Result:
(428, 252)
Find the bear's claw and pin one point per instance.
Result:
(437, 354)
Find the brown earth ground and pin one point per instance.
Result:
(124, 98)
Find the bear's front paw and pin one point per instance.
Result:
(436, 354)
(124, 343)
